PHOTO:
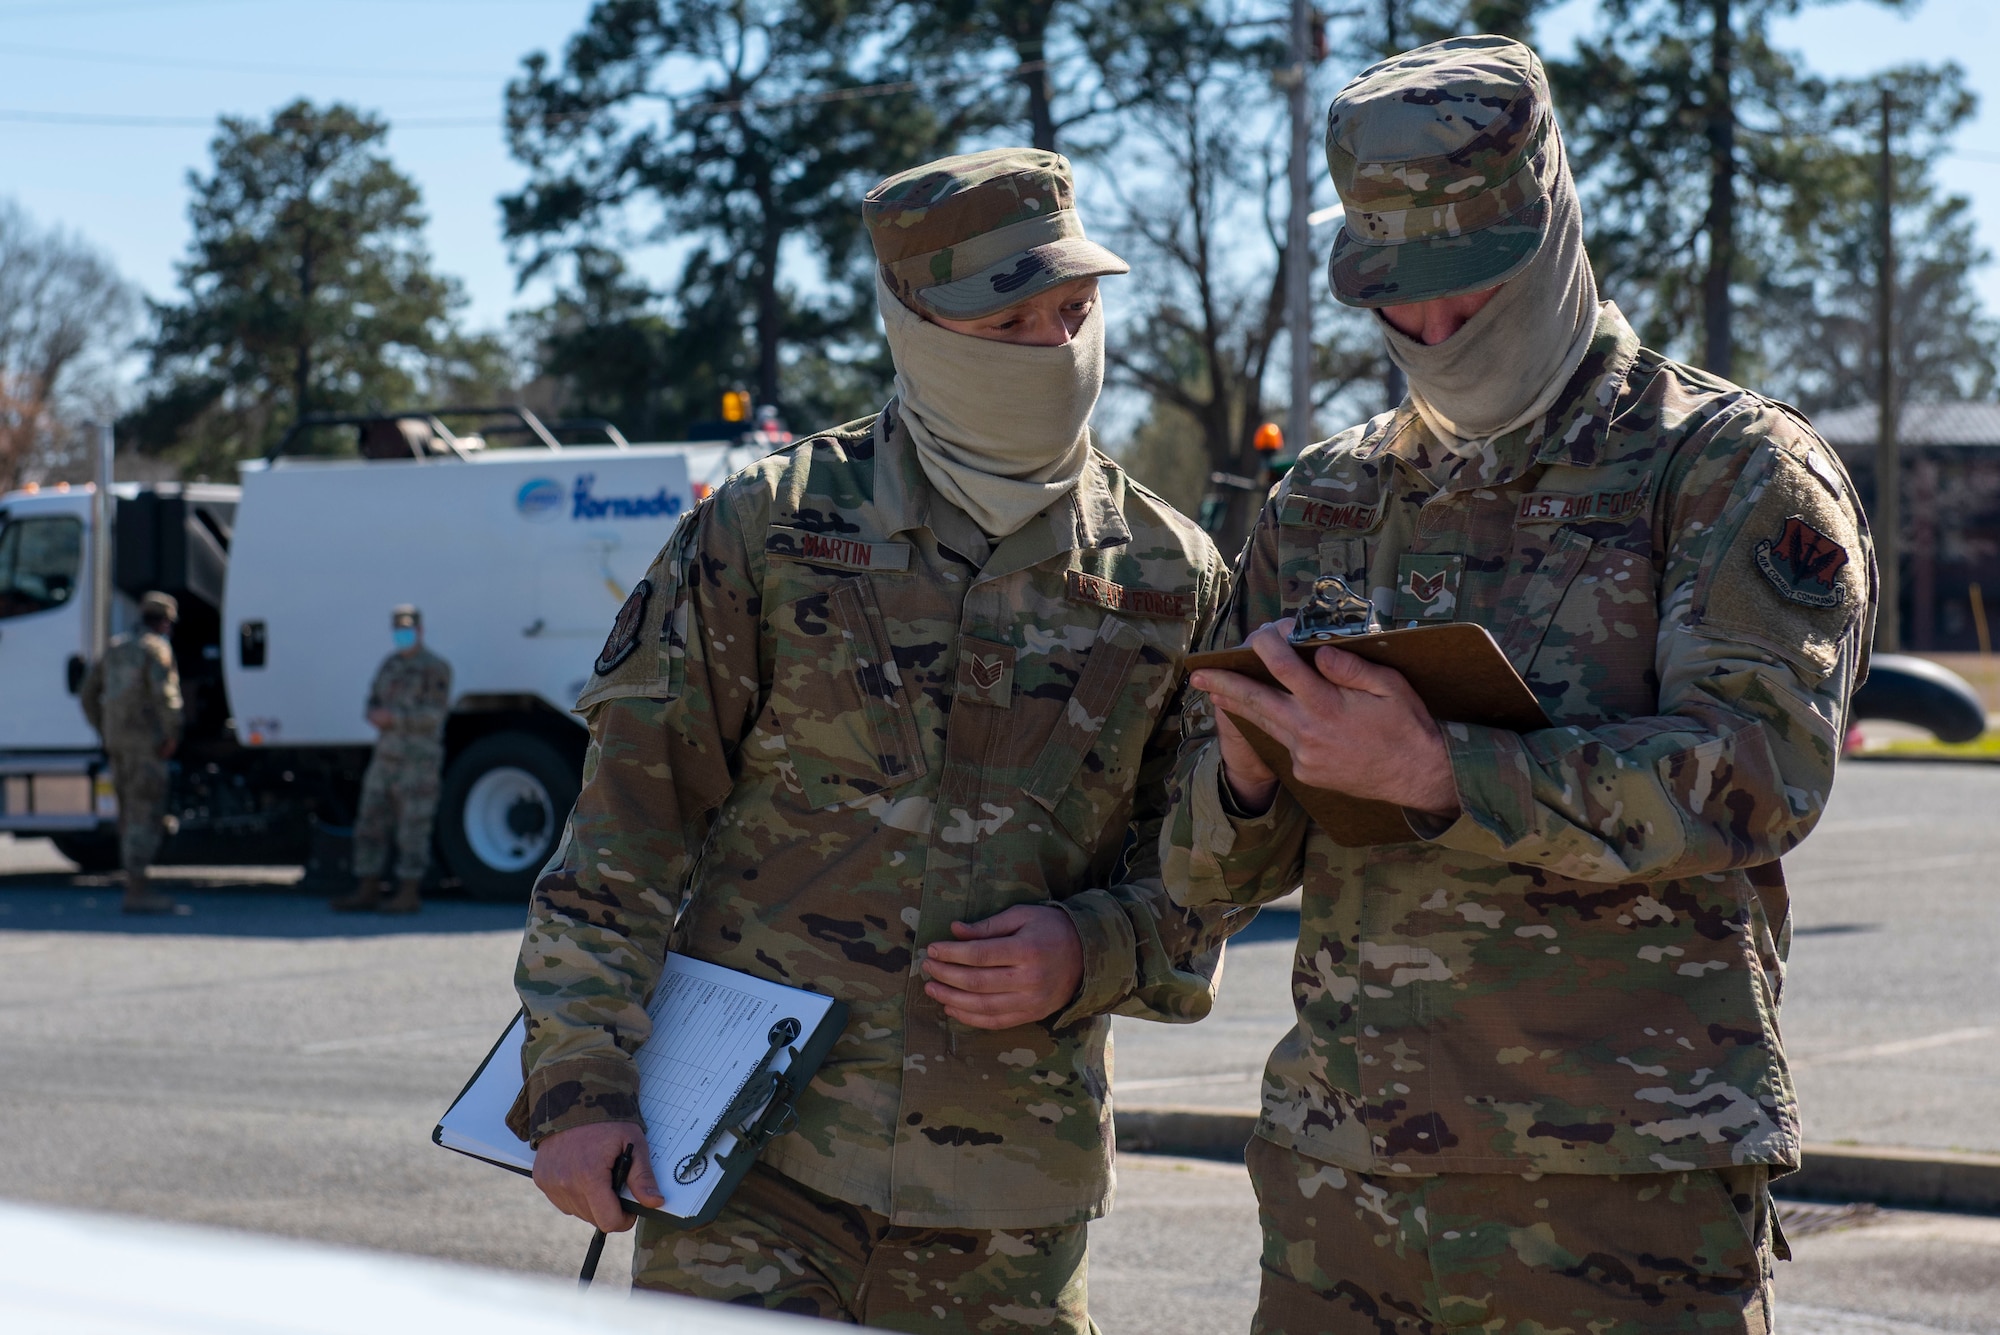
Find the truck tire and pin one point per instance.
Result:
(501, 811)
(93, 854)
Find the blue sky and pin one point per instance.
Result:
(183, 62)
(124, 187)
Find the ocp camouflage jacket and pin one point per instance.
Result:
(827, 730)
(415, 688)
(1581, 972)
(132, 696)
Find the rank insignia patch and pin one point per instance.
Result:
(624, 635)
(986, 672)
(1427, 588)
(1803, 564)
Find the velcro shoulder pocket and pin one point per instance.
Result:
(645, 653)
(1795, 568)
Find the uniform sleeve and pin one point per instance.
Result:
(1767, 610)
(1209, 854)
(1145, 956)
(164, 679)
(667, 709)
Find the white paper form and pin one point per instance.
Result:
(711, 1035)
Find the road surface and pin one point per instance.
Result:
(268, 1065)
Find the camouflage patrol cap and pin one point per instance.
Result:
(1444, 158)
(966, 236)
(159, 605)
(405, 614)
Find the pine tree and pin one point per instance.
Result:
(1692, 136)
(750, 169)
(307, 288)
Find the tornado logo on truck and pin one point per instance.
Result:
(539, 498)
(542, 499)
(584, 505)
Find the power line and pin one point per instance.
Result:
(72, 9)
(236, 67)
(112, 119)
(23, 115)
(871, 90)
(94, 118)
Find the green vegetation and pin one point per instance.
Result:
(1984, 747)
(306, 288)
(1731, 197)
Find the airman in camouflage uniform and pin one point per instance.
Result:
(1536, 1081)
(837, 726)
(407, 703)
(132, 697)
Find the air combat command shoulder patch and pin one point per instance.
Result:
(1803, 564)
(624, 635)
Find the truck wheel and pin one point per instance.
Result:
(501, 811)
(92, 853)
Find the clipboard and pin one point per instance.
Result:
(723, 1042)
(1456, 669)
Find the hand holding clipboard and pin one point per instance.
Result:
(1456, 671)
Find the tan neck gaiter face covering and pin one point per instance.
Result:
(1510, 362)
(1001, 429)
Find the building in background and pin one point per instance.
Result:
(1951, 514)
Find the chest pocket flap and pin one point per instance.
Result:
(1052, 782)
(840, 698)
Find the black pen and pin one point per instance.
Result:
(620, 1168)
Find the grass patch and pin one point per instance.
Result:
(1984, 747)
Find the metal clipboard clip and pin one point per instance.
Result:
(1333, 612)
(764, 1090)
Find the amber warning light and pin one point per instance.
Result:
(1269, 439)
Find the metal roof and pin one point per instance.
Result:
(1942, 424)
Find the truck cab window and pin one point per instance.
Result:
(40, 560)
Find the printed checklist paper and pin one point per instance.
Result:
(713, 1032)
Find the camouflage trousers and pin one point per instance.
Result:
(399, 798)
(1461, 1252)
(139, 777)
(784, 1247)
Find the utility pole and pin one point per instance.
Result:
(1298, 232)
(1719, 345)
(1395, 385)
(1888, 466)
(103, 513)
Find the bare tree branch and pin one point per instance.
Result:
(65, 314)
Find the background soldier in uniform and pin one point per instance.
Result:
(132, 697)
(896, 707)
(399, 794)
(1536, 1080)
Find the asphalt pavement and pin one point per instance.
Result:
(266, 1064)
(1892, 996)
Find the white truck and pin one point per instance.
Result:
(518, 558)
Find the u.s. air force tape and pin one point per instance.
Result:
(1087, 588)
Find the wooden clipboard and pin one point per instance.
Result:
(1457, 670)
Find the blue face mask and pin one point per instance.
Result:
(404, 636)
